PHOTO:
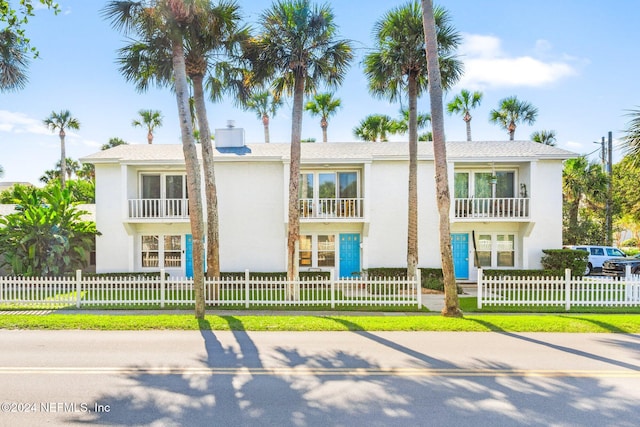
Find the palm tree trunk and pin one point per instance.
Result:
(293, 236)
(150, 137)
(210, 189)
(467, 119)
(412, 222)
(265, 124)
(324, 125)
(193, 172)
(63, 160)
(451, 304)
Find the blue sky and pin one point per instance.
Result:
(575, 60)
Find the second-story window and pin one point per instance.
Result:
(484, 184)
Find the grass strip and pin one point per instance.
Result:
(470, 305)
(591, 323)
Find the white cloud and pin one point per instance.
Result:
(487, 65)
(12, 122)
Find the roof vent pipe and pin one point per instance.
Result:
(231, 124)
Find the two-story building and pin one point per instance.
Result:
(506, 206)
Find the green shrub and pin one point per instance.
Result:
(431, 278)
(630, 242)
(559, 259)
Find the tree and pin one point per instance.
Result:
(113, 142)
(149, 119)
(60, 122)
(47, 235)
(72, 166)
(546, 137)
(402, 125)
(375, 127)
(451, 303)
(583, 184)
(212, 33)
(1, 171)
(14, 45)
(167, 21)
(265, 105)
(512, 112)
(398, 67)
(325, 106)
(631, 139)
(13, 62)
(462, 104)
(87, 172)
(298, 50)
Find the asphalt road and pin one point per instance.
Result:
(187, 378)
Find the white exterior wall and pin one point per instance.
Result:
(387, 200)
(250, 204)
(546, 210)
(114, 246)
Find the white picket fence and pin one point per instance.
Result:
(82, 291)
(567, 291)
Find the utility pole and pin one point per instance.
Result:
(609, 170)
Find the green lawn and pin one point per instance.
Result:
(598, 323)
(470, 305)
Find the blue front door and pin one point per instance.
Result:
(188, 255)
(349, 254)
(460, 248)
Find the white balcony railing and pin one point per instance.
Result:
(499, 208)
(331, 208)
(158, 208)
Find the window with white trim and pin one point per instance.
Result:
(480, 184)
(496, 250)
(161, 251)
(317, 250)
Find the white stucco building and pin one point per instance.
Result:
(506, 206)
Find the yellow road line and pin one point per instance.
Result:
(305, 371)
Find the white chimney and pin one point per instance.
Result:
(230, 136)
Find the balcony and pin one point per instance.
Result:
(153, 209)
(507, 208)
(338, 209)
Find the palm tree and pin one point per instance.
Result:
(113, 142)
(61, 121)
(1, 171)
(50, 175)
(72, 166)
(398, 67)
(13, 62)
(212, 35)
(165, 22)
(87, 172)
(265, 105)
(298, 49)
(375, 127)
(402, 125)
(150, 119)
(325, 106)
(512, 112)
(452, 306)
(583, 182)
(546, 137)
(463, 104)
(631, 139)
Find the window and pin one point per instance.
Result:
(150, 252)
(306, 186)
(481, 184)
(505, 250)
(326, 251)
(496, 250)
(305, 252)
(461, 185)
(330, 194)
(483, 248)
(163, 186)
(615, 252)
(317, 251)
(163, 251)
